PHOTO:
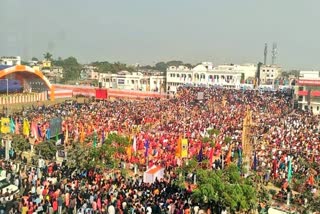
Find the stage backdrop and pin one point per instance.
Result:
(101, 93)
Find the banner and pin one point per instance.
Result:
(184, 148)
(55, 126)
(5, 125)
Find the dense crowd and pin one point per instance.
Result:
(279, 134)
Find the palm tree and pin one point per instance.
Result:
(47, 56)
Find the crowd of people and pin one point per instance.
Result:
(279, 135)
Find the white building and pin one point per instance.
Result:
(11, 60)
(268, 73)
(307, 91)
(228, 76)
(132, 81)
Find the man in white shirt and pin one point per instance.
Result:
(111, 209)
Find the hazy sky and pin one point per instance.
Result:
(148, 31)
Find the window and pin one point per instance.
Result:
(178, 75)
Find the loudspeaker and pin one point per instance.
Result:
(100, 84)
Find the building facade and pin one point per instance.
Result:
(307, 91)
(269, 73)
(204, 74)
(10, 61)
(132, 81)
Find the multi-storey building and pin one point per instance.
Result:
(132, 81)
(204, 74)
(308, 91)
(269, 73)
(10, 61)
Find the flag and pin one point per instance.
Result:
(146, 145)
(255, 161)
(228, 157)
(184, 148)
(178, 149)
(103, 137)
(26, 127)
(95, 139)
(48, 133)
(82, 135)
(200, 155)
(39, 130)
(134, 144)
(5, 125)
(34, 131)
(17, 125)
(289, 170)
(12, 126)
(211, 156)
(66, 136)
(239, 157)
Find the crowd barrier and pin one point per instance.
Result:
(112, 93)
(23, 98)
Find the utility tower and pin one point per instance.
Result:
(265, 53)
(274, 52)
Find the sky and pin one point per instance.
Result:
(149, 31)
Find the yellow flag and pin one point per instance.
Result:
(5, 125)
(184, 148)
(26, 127)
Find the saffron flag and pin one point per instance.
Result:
(211, 156)
(184, 148)
(26, 127)
(66, 136)
(178, 149)
(5, 125)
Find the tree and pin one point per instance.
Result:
(71, 69)
(105, 156)
(47, 56)
(174, 63)
(46, 149)
(35, 59)
(20, 143)
(227, 188)
(161, 66)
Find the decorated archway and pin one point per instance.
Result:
(30, 77)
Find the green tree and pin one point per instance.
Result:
(46, 149)
(20, 143)
(174, 63)
(47, 56)
(161, 66)
(35, 59)
(226, 187)
(71, 69)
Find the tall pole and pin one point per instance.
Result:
(184, 121)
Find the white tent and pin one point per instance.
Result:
(151, 174)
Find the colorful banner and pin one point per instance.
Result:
(5, 125)
(184, 148)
